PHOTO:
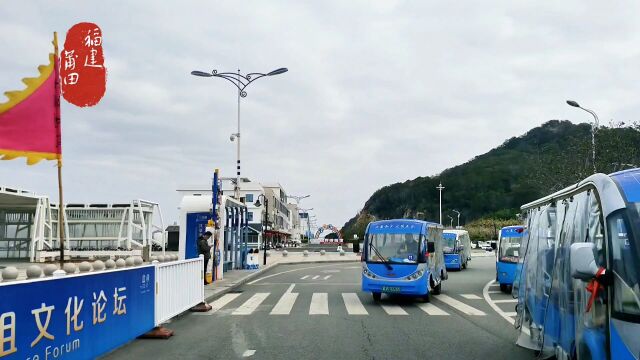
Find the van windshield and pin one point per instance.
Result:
(394, 248)
(626, 256)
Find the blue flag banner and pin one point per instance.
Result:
(75, 317)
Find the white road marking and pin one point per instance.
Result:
(248, 353)
(506, 301)
(432, 309)
(319, 304)
(471, 296)
(219, 303)
(285, 304)
(330, 271)
(251, 305)
(326, 277)
(494, 292)
(290, 288)
(315, 277)
(394, 310)
(288, 271)
(304, 277)
(353, 304)
(510, 314)
(505, 315)
(460, 306)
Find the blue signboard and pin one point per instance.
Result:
(196, 226)
(75, 317)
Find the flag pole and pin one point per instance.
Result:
(59, 143)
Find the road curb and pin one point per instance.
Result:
(249, 277)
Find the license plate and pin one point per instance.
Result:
(391, 289)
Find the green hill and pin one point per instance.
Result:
(495, 185)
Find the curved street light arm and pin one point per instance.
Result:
(595, 116)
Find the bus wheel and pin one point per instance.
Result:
(504, 288)
(436, 289)
(425, 297)
(464, 266)
(377, 296)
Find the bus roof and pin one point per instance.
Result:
(629, 181)
(399, 226)
(610, 196)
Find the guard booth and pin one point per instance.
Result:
(229, 241)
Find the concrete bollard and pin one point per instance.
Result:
(342, 252)
(322, 252)
(153, 258)
(34, 272)
(268, 253)
(137, 260)
(49, 269)
(110, 264)
(9, 273)
(161, 258)
(305, 253)
(285, 253)
(130, 261)
(59, 273)
(175, 257)
(120, 263)
(98, 265)
(69, 268)
(84, 266)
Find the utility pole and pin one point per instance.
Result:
(457, 212)
(440, 188)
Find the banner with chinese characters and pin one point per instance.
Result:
(84, 76)
(75, 317)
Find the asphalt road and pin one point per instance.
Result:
(317, 311)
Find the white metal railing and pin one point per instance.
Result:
(179, 287)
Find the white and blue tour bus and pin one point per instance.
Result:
(457, 249)
(403, 257)
(579, 286)
(507, 255)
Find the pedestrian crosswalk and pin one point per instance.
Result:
(351, 303)
(315, 277)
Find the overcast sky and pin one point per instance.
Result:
(377, 91)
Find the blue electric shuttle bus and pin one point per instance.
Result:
(457, 249)
(507, 255)
(579, 286)
(403, 257)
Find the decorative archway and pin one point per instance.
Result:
(325, 227)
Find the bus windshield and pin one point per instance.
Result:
(626, 256)
(509, 249)
(394, 248)
(449, 241)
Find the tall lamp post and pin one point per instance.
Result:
(265, 223)
(594, 126)
(241, 82)
(451, 223)
(457, 212)
(440, 188)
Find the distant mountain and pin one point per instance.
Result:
(545, 159)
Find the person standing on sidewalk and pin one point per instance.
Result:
(205, 249)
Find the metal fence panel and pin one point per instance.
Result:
(179, 287)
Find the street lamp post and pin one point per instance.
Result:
(440, 188)
(457, 212)
(594, 126)
(241, 82)
(451, 223)
(265, 223)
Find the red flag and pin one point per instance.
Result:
(30, 120)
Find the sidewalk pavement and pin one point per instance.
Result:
(234, 278)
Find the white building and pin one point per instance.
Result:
(281, 218)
